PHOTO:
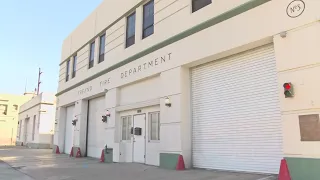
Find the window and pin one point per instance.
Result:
(198, 4)
(102, 48)
(34, 126)
(131, 30)
(148, 19)
(154, 126)
(67, 70)
(91, 58)
(3, 109)
(74, 66)
(126, 128)
(15, 107)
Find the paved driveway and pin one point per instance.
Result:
(30, 164)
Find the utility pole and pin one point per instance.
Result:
(25, 87)
(39, 81)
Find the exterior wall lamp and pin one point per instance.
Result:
(105, 117)
(167, 102)
(74, 121)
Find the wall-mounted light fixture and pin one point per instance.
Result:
(283, 34)
(167, 102)
(74, 121)
(106, 116)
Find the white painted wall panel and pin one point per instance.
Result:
(140, 91)
(236, 113)
(170, 137)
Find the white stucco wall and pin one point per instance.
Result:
(43, 107)
(22, 116)
(138, 85)
(298, 63)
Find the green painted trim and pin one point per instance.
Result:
(216, 20)
(303, 168)
(168, 160)
(108, 156)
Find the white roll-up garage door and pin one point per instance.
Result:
(68, 143)
(96, 130)
(236, 113)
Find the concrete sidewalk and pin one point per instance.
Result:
(7, 172)
(32, 164)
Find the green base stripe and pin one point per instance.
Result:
(108, 156)
(215, 20)
(304, 168)
(168, 160)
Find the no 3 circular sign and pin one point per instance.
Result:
(296, 8)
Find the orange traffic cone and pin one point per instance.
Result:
(284, 173)
(102, 156)
(57, 150)
(78, 153)
(180, 164)
(71, 152)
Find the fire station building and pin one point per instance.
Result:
(227, 85)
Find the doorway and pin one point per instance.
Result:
(139, 138)
(26, 124)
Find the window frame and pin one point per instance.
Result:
(91, 54)
(67, 70)
(150, 127)
(74, 66)
(128, 129)
(101, 55)
(127, 30)
(193, 5)
(143, 20)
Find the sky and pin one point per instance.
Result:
(31, 37)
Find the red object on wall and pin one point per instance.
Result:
(102, 156)
(284, 173)
(180, 164)
(71, 153)
(78, 153)
(57, 150)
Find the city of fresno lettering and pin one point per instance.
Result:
(146, 65)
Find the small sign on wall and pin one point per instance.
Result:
(296, 8)
(309, 127)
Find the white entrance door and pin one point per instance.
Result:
(236, 113)
(139, 139)
(68, 143)
(96, 128)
